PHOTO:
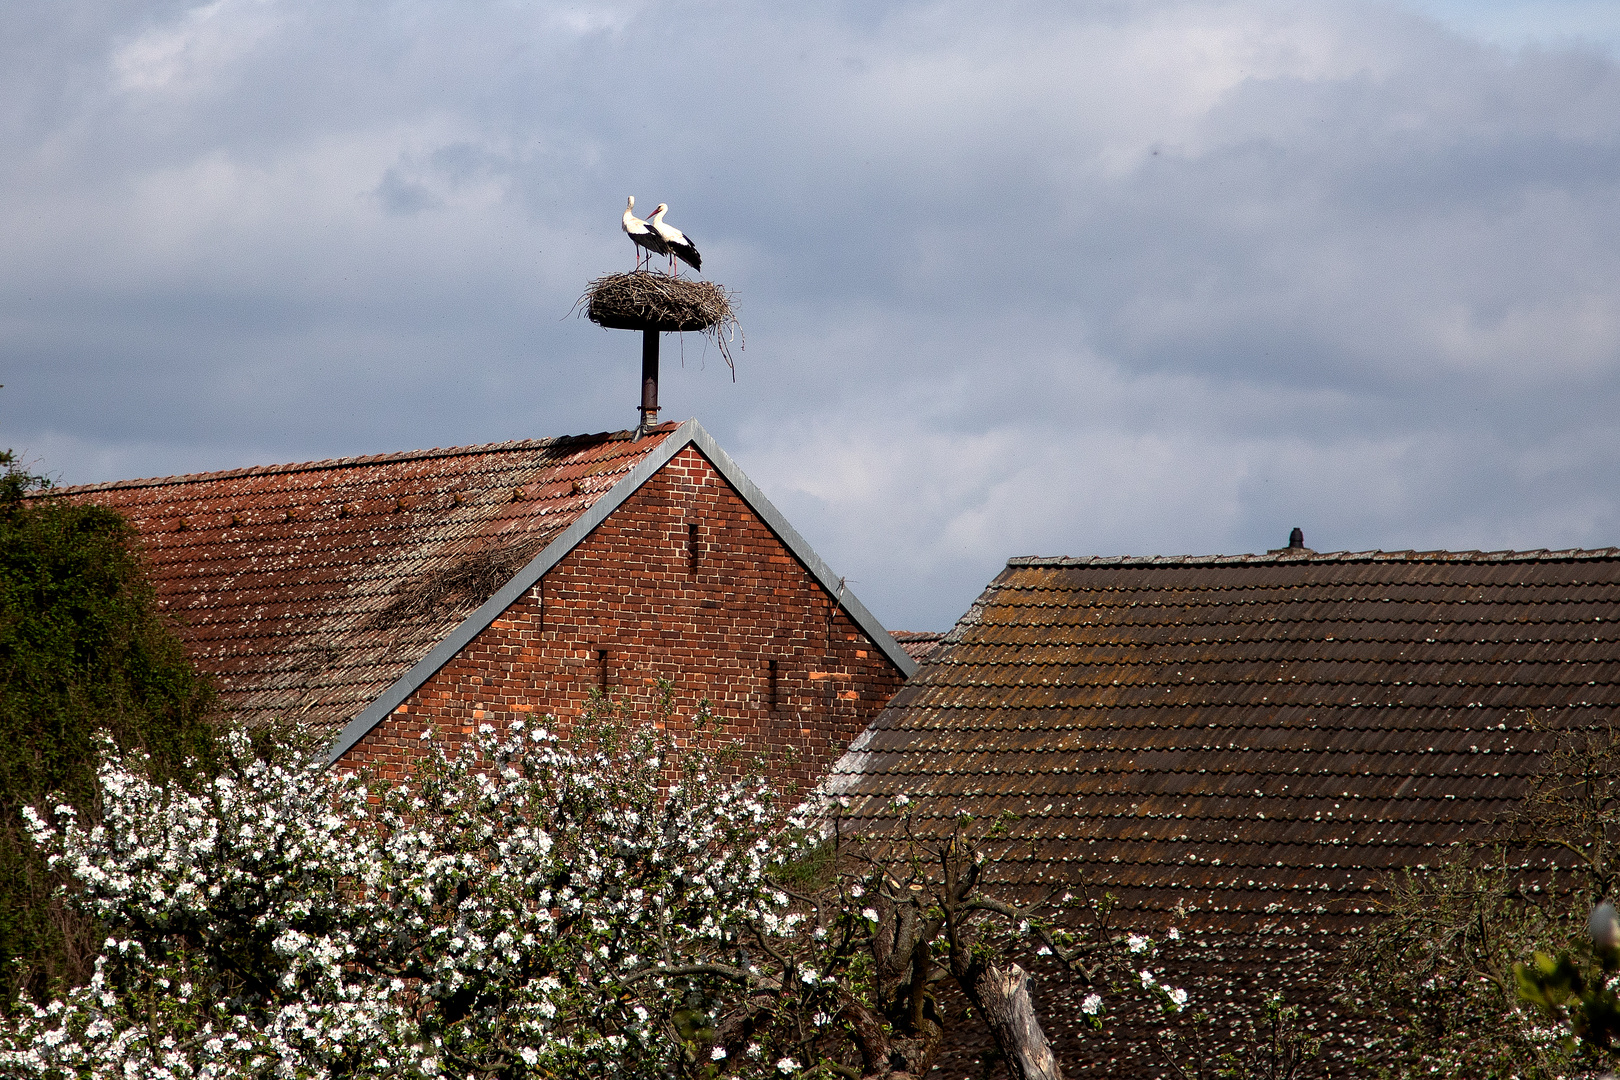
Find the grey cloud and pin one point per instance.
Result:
(1144, 277)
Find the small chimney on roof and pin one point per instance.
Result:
(1296, 545)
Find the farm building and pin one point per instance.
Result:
(370, 598)
(1246, 746)
(1255, 740)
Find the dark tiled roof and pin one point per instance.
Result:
(1259, 738)
(918, 643)
(306, 590)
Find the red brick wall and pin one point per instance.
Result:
(711, 621)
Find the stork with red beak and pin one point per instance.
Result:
(674, 241)
(642, 234)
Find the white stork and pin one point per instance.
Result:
(674, 241)
(642, 234)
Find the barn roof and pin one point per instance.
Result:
(327, 591)
(918, 643)
(1259, 736)
(1260, 739)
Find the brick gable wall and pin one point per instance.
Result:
(682, 582)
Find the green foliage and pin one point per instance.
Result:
(1576, 992)
(1469, 962)
(82, 647)
(1576, 988)
(1440, 967)
(815, 869)
(1274, 1045)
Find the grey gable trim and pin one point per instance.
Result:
(479, 621)
(691, 433)
(801, 548)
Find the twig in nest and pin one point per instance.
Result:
(643, 300)
(471, 579)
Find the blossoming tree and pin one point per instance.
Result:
(525, 907)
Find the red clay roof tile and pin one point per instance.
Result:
(306, 590)
(918, 644)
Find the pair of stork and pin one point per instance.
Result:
(655, 236)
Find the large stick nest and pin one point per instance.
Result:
(470, 580)
(644, 300)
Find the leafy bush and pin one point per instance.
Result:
(83, 648)
(1462, 962)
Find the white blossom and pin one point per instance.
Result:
(551, 880)
(340, 890)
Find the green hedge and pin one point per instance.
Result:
(82, 647)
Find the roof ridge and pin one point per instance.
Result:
(1438, 556)
(1070, 706)
(348, 462)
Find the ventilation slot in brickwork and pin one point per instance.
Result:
(775, 700)
(602, 665)
(693, 550)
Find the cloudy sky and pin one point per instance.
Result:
(1102, 278)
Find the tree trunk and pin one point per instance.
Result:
(1002, 998)
(870, 1037)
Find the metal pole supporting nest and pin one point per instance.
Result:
(656, 304)
(649, 381)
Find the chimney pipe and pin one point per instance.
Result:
(1296, 539)
(649, 381)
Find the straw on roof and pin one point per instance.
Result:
(644, 300)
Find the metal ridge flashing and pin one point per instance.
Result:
(1539, 555)
(690, 433)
